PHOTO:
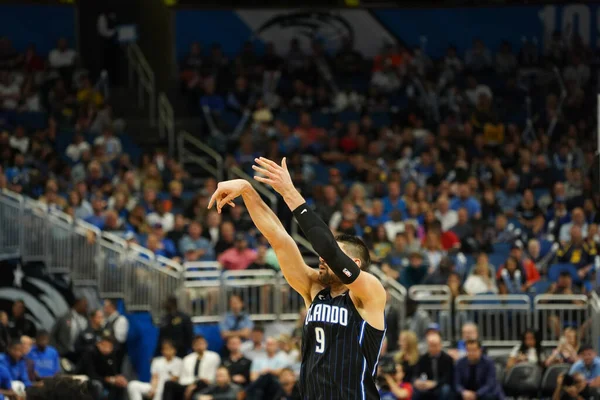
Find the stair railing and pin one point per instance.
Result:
(166, 122)
(142, 74)
(185, 141)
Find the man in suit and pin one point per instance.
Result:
(67, 329)
(475, 375)
(434, 373)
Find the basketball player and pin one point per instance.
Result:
(344, 328)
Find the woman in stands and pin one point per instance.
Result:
(511, 277)
(529, 351)
(481, 280)
(567, 349)
(408, 355)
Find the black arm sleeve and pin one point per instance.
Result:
(322, 240)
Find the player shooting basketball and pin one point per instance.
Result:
(345, 326)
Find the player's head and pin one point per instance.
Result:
(353, 247)
(59, 388)
(222, 377)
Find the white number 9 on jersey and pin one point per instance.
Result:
(320, 337)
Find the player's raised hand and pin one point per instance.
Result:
(275, 175)
(226, 192)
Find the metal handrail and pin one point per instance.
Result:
(389, 282)
(166, 122)
(185, 138)
(146, 81)
(236, 172)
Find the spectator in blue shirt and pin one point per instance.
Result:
(465, 200)
(15, 363)
(588, 365)
(237, 321)
(97, 218)
(393, 201)
(46, 363)
(510, 197)
(194, 247)
(5, 383)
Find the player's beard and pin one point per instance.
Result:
(328, 278)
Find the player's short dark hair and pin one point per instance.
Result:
(59, 389)
(168, 342)
(93, 313)
(258, 328)
(473, 341)
(357, 248)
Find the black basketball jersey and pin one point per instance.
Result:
(340, 351)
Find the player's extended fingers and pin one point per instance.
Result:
(263, 171)
(270, 163)
(265, 165)
(225, 200)
(284, 164)
(264, 180)
(212, 199)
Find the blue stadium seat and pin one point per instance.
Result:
(541, 286)
(497, 259)
(502, 248)
(348, 116)
(291, 118)
(381, 119)
(555, 270)
(321, 120)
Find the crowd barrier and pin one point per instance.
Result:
(34, 233)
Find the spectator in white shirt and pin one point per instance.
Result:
(10, 91)
(19, 140)
(75, 149)
(197, 373)
(62, 56)
(447, 217)
(163, 369)
(271, 363)
(161, 217)
(111, 143)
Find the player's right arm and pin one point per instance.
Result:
(299, 275)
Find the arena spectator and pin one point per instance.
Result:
(236, 322)
(223, 388)
(482, 279)
(469, 332)
(67, 329)
(101, 367)
(262, 260)
(395, 386)
(194, 247)
(577, 252)
(238, 257)
(272, 362)
(4, 332)
(16, 364)
(475, 375)
(256, 345)
(588, 365)
(165, 368)
(434, 373)
(529, 351)
(408, 355)
(46, 363)
(212, 230)
(87, 339)
(176, 327)
(572, 386)
(415, 273)
(197, 373)
(6, 388)
(511, 277)
(567, 350)
(18, 324)
(237, 365)
(118, 327)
